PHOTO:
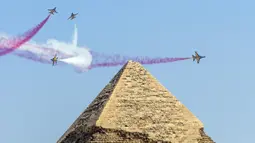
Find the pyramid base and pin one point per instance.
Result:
(99, 134)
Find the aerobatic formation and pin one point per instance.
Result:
(60, 53)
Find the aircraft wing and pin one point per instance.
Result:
(196, 54)
(198, 60)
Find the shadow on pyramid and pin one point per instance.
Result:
(135, 107)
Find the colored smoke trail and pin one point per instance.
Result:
(100, 60)
(18, 41)
(68, 52)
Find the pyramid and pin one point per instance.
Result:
(135, 107)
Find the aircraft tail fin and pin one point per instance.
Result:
(193, 57)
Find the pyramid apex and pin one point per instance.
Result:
(135, 107)
(131, 62)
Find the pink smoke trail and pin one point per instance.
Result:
(117, 60)
(18, 41)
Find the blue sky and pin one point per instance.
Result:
(39, 102)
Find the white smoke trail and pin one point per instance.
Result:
(68, 53)
(75, 36)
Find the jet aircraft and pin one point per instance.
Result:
(72, 16)
(52, 11)
(197, 57)
(54, 60)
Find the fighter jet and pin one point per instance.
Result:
(54, 60)
(72, 16)
(52, 11)
(197, 57)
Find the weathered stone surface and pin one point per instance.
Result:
(135, 107)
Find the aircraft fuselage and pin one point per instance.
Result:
(54, 60)
(197, 57)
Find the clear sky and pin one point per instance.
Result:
(39, 102)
